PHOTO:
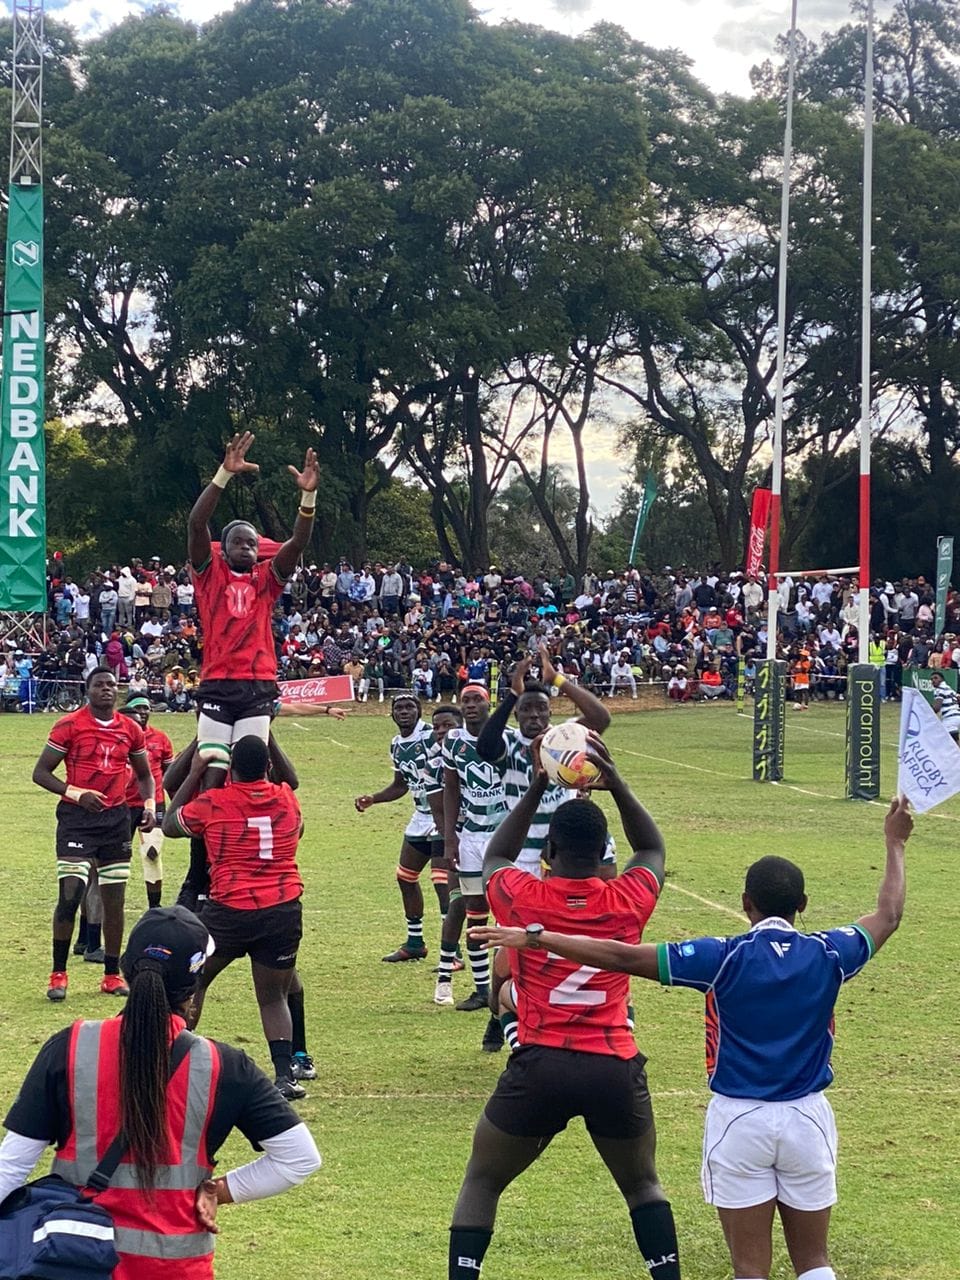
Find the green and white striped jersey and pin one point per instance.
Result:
(410, 758)
(483, 802)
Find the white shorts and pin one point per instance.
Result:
(473, 845)
(420, 827)
(758, 1151)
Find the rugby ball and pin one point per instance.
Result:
(563, 752)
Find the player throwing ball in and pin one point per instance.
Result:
(577, 1055)
(770, 1144)
(235, 594)
(93, 822)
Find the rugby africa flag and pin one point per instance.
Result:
(929, 757)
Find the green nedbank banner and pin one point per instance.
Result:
(23, 543)
(944, 574)
(919, 678)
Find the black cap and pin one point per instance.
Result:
(174, 943)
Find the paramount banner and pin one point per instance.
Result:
(944, 574)
(863, 732)
(769, 720)
(23, 540)
(759, 519)
(302, 694)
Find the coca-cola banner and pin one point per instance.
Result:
(295, 693)
(759, 519)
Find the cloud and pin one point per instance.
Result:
(571, 7)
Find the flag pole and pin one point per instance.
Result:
(865, 337)
(777, 479)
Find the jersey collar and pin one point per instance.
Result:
(775, 922)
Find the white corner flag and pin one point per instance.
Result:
(929, 757)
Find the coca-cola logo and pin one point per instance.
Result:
(303, 690)
(755, 557)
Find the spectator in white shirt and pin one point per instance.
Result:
(622, 673)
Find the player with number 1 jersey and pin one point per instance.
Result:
(250, 829)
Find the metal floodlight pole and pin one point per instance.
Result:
(26, 156)
(777, 482)
(865, 336)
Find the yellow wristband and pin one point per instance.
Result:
(558, 680)
(150, 806)
(73, 793)
(308, 499)
(222, 478)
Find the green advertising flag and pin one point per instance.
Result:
(647, 496)
(23, 544)
(944, 574)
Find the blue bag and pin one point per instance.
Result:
(51, 1231)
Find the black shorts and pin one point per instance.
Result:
(542, 1089)
(426, 846)
(228, 701)
(269, 935)
(103, 836)
(136, 816)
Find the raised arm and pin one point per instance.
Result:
(281, 766)
(883, 922)
(642, 833)
(285, 561)
(490, 744)
(198, 524)
(507, 841)
(619, 957)
(592, 711)
(185, 792)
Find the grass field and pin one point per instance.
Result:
(402, 1082)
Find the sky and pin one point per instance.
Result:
(722, 38)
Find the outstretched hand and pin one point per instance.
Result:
(519, 675)
(235, 457)
(898, 823)
(599, 755)
(548, 672)
(493, 936)
(309, 478)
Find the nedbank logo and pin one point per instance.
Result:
(25, 253)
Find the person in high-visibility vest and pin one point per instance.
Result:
(115, 1076)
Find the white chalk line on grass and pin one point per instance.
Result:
(707, 902)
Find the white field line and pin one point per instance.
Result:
(707, 902)
(703, 1094)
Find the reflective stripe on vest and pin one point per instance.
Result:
(185, 1176)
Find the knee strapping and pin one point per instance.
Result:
(406, 875)
(152, 867)
(455, 895)
(439, 875)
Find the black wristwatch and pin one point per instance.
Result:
(533, 932)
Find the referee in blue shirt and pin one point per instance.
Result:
(770, 1142)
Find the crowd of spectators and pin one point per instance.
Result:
(691, 633)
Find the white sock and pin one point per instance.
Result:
(819, 1273)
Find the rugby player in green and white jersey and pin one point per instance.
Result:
(422, 841)
(512, 750)
(474, 803)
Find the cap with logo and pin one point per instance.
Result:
(173, 942)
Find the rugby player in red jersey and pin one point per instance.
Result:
(251, 829)
(577, 1056)
(93, 821)
(160, 755)
(235, 595)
